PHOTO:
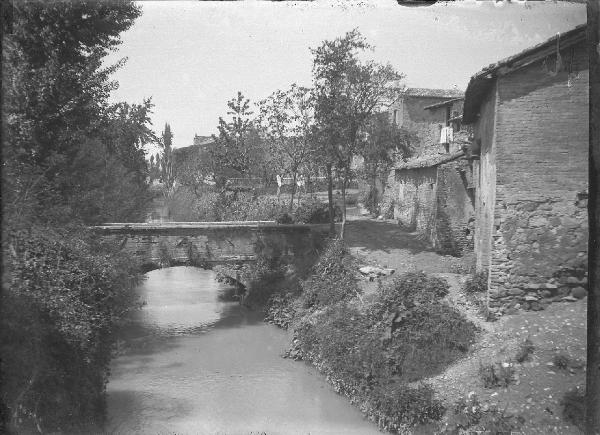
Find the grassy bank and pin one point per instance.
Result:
(375, 349)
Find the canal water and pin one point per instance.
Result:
(195, 362)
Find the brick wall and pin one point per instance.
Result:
(540, 212)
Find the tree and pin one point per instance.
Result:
(70, 158)
(167, 164)
(380, 144)
(287, 120)
(55, 92)
(237, 148)
(347, 92)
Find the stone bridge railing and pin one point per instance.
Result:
(207, 243)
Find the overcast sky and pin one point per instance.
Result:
(192, 57)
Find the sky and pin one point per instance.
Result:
(192, 57)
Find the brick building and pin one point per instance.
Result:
(431, 192)
(530, 163)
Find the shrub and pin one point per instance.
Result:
(237, 206)
(64, 293)
(333, 279)
(313, 211)
(428, 338)
(407, 290)
(525, 350)
(561, 361)
(496, 375)
(264, 278)
(280, 310)
(477, 283)
(573, 407)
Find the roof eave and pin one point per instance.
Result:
(482, 80)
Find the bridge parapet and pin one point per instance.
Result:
(204, 243)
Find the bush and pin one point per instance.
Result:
(428, 339)
(333, 280)
(561, 361)
(280, 310)
(477, 283)
(64, 294)
(313, 211)
(237, 206)
(407, 290)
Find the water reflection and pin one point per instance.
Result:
(196, 363)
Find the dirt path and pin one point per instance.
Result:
(382, 242)
(537, 385)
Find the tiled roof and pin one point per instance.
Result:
(444, 103)
(434, 93)
(429, 161)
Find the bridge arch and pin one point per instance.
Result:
(205, 244)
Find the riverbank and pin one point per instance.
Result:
(352, 336)
(375, 347)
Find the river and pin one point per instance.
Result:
(194, 362)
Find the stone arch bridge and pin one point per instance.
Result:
(208, 243)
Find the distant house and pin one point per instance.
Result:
(431, 192)
(426, 112)
(529, 114)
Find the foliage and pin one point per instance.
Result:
(63, 296)
(167, 164)
(427, 339)
(313, 211)
(287, 119)
(347, 92)
(371, 350)
(476, 283)
(68, 156)
(238, 146)
(406, 291)
(281, 310)
(380, 143)
(333, 279)
(55, 94)
(343, 342)
(525, 350)
(496, 374)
